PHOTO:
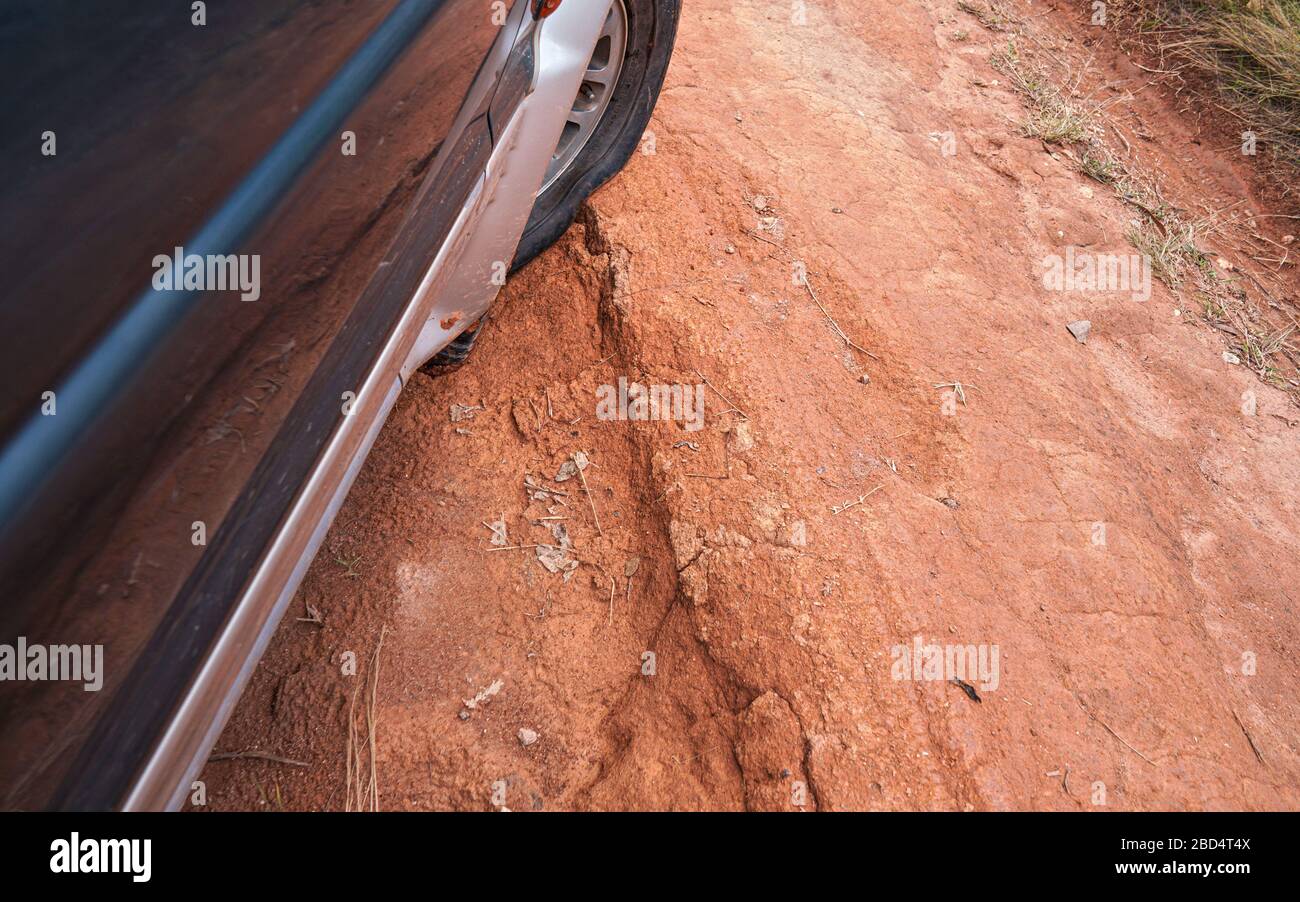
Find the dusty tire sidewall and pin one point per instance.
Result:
(652, 29)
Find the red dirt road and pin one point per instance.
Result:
(1107, 518)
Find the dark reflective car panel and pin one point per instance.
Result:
(158, 121)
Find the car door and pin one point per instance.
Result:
(162, 441)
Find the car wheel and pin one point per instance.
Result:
(605, 125)
(608, 118)
(457, 350)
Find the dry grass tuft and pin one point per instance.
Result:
(1053, 117)
(1252, 50)
(1248, 49)
(990, 16)
(362, 778)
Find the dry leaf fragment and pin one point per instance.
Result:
(570, 467)
(498, 531)
(462, 412)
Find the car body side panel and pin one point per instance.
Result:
(152, 122)
(223, 424)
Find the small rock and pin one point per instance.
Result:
(527, 737)
(1079, 329)
(760, 203)
(952, 503)
(864, 379)
(1229, 357)
(793, 535)
(1225, 265)
(740, 439)
(730, 249)
(836, 210)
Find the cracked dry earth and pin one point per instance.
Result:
(1102, 513)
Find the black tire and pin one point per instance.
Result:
(457, 350)
(651, 29)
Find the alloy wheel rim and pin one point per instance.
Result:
(592, 99)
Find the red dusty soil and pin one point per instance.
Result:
(1104, 514)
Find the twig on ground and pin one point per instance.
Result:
(352, 755)
(721, 395)
(1254, 748)
(958, 388)
(1106, 726)
(843, 507)
(590, 500)
(834, 325)
(370, 719)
